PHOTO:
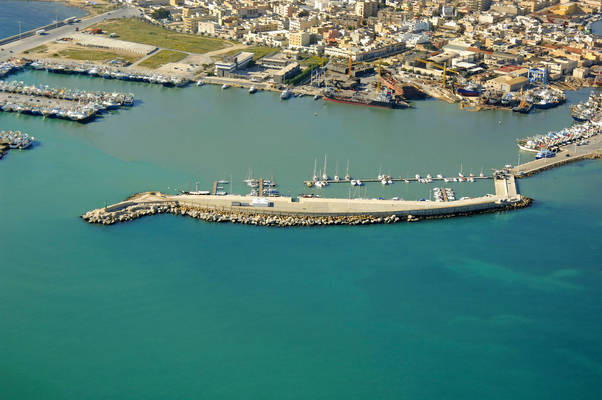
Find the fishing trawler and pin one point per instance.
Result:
(383, 99)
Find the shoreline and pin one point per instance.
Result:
(68, 3)
(82, 6)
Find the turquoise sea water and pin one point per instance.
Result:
(501, 306)
(32, 14)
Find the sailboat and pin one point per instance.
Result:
(336, 174)
(315, 178)
(347, 176)
(322, 183)
(324, 174)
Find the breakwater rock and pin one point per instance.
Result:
(130, 210)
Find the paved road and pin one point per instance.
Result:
(33, 41)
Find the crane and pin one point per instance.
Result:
(443, 67)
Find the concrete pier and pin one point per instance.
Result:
(567, 154)
(301, 211)
(37, 101)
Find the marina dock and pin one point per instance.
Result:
(429, 179)
(14, 140)
(306, 211)
(75, 105)
(36, 105)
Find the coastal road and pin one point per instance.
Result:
(12, 49)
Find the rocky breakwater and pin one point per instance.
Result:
(107, 216)
(144, 204)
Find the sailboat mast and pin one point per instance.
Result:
(347, 176)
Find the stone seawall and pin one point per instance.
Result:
(131, 210)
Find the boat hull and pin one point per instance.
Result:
(524, 148)
(523, 110)
(372, 103)
(545, 106)
(468, 93)
(578, 119)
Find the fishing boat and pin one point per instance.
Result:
(252, 90)
(470, 90)
(528, 145)
(523, 108)
(286, 94)
(383, 99)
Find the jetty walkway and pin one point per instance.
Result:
(567, 154)
(302, 211)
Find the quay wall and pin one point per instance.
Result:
(137, 208)
(522, 173)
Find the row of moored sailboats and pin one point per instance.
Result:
(321, 179)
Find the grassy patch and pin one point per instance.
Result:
(40, 49)
(314, 61)
(310, 64)
(134, 30)
(258, 51)
(162, 57)
(93, 55)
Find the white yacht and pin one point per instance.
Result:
(285, 94)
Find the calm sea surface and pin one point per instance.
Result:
(32, 14)
(501, 306)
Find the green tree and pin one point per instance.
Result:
(160, 13)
